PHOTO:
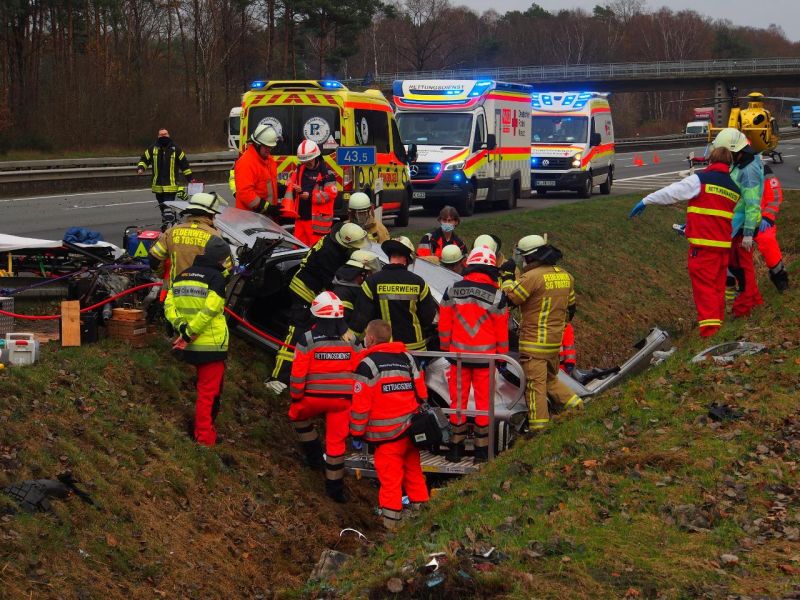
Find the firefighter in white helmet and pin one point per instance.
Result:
(256, 174)
(311, 192)
(545, 294)
(348, 279)
(361, 212)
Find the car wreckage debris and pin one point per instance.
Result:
(724, 354)
(34, 495)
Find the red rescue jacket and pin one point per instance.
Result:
(323, 367)
(321, 186)
(387, 392)
(434, 242)
(256, 180)
(771, 198)
(568, 354)
(709, 215)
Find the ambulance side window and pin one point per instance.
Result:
(372, 129)
(480, 132)
(397, 143)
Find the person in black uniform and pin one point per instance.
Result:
(348, 279)
(397, 296)
(314, 276)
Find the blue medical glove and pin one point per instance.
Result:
(357, 444)
(638, 209)
(765, 224)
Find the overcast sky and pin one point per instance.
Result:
(785, 13)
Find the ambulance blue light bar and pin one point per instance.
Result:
(479, 88)
(331, 84)
(257, 85)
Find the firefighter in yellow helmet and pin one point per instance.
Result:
(452, 259)
(545, 294)
(361, 212)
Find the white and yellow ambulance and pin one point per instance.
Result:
(333, 116)
(572, 142)
(472, 140)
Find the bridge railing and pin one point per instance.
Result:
(548, 73)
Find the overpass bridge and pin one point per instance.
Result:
(712, 75)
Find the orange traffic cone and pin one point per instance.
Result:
(656, 159)
(637, 161)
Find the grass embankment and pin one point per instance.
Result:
(246, 519)
(640, 495)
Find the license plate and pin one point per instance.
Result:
(545, 183)
(421, 195)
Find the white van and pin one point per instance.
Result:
(572, 142)
(232, 124)
(471, 139)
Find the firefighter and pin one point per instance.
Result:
(180, 244)
(348, 279)
(434, 242)
(545, 294)
(387, 392)
(256, 174)
(398, 296)
(452, 259)
(747, 173)
(361, 211)
(492, 242)
(311, 192)
(473, 318)
(568, 357)
(322, 384)
(712, 195)
(314, 276)
(163, 157)
(194, 306)
(766, 238)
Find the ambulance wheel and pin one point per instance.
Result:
(401, 220)
(585, 191)
(510, 202)
(605, 187)
(467, 206)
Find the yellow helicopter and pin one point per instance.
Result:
(756, 122)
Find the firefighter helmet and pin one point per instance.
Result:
(481, 256)
(327, 305)
(451, 254)
(400, 245)
(207, 202)
(359, 201)
(490, 241)
(730, 138)
(307, 150)
(217, 250)
(265, 135)
(530, 244)
(351, 235)
(364, 260)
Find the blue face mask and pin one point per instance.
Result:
(448, 227)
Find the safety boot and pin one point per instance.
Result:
(334, 488)
(481, 454)
(313, 453)
(455, 453)
(779, 277)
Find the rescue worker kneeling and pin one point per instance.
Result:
(473, 318)
(387, 392)
(545, 294)
(194, 306)
(322, 383)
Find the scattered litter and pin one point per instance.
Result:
(435, 579)
(659, 356)
(725, 354)
(34, 495)
(432, 565)
(360, 535)
(723, 412)
(330, 562)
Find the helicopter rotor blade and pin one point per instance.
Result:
(787, 98)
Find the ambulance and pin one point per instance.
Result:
(471, 139)
(232, 127)
(572, 142)
(333, 116)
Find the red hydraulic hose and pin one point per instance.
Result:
(257, 331)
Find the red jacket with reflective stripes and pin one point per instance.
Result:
(473, 314)
(320, 183)
(709, 215)
(256, 180)
(568, 354)
(771, 198)
(323, 367)
(387, 392)
(434, 242)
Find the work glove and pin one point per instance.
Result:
(140, 171)
(765, 224)
(747, 243)
(181, 194)
(183, 329)
(179, 343)
(349, 336)
(272, 210)
(569, 368)
(508, 269)
(638, 209)
(357, 444)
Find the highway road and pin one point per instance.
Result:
(110, 212)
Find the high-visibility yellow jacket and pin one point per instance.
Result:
(197, 299)
(164, 159)
(544, 294)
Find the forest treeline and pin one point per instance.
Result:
(102, 73)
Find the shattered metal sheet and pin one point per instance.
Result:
(723, 354)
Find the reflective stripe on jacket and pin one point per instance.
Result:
(544, 293)
(750, 179)
(434, 242)
(771, 198)
(709, 214)
(320, 183)
(387, 392)
(473, 314)
(319, 266)
(163, 159)
(182, 243)
(256, 180)
(568, 354)
(323, 367)
(197, 298)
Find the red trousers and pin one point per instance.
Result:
(304, 232)
(476, 378)
(708, 269)
(398, 467)
(209, 388)
(741, 263)
(337, 419)
(767, 242)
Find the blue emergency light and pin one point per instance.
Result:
(437, 167)
(534, 161)
(479, 88)
(257, 85)
(331, 84)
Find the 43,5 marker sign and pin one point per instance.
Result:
(355, 156)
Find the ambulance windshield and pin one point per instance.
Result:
(557, 129)
(435, 129)
(294, 123)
